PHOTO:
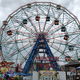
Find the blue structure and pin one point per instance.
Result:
(41, 43)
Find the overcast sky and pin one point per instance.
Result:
(8, 6)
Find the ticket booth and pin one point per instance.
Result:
(47, 75)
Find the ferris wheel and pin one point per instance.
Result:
(22, 28)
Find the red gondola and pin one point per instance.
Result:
(66, 37)
(9, 32)
(56, 22)
(67, 58)
(37, 18)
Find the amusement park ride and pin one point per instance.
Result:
(40, 29)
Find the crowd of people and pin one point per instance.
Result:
(10, 76)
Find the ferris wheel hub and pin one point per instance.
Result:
(41, 35)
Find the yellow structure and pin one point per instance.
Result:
(47, 75)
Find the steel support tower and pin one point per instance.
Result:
(41, 43)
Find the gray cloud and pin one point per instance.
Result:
(8, 6)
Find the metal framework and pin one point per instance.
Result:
(20, 33)
(41, 43)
